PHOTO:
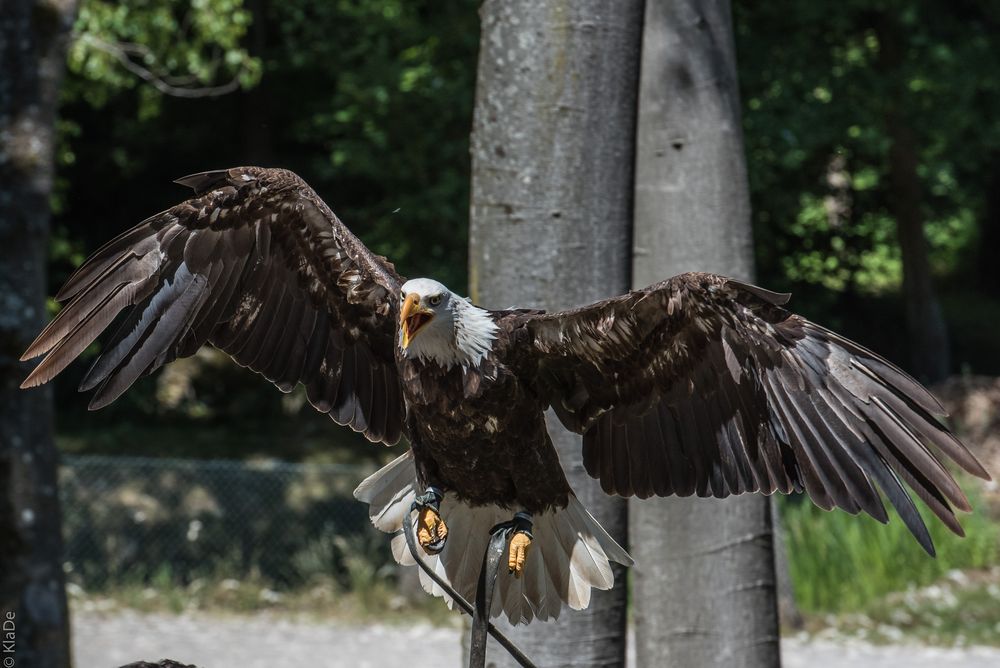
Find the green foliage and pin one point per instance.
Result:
(385, 128)
(371, 102)
(182, 43)
(842, 563)
(817, 89)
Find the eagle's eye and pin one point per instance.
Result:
(435, 300)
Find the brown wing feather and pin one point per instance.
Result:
(705, 385)
(257, 265)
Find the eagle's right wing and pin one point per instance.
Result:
(706, 385)
(257, 265)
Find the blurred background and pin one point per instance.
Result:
(871, 143)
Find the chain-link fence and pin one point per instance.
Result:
(130, 520)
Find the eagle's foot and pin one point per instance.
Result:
(518, 553)
(520, 542)
(432, 532)
(431, 529)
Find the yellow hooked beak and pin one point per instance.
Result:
(413, 317)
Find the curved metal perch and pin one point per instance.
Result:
(480, 614)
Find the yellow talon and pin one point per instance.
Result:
(518, 553)
(431, 530)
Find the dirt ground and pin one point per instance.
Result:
(113, 638)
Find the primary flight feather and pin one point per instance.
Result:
(697, 385)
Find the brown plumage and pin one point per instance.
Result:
(697, 385)
(716, 389)
(257, 265)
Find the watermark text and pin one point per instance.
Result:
(8, 639)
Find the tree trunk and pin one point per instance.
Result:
(789, 615)
(987, 278)
(927, 334)
(704, 580)
(925, 328)
(552, 159)
(32, 52)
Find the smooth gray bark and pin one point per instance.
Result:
(32, 51)
(552, 161)
(789, 615)
(704, 582)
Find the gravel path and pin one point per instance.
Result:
(111, 639)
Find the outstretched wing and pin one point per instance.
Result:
(705, 385)
(257, 265)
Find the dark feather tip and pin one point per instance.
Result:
(202, 182)
(776, 298)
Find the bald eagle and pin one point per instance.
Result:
(699, 385)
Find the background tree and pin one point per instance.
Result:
(33, 38)
(704, 584)
(869, 134)
(929, 355)
(552, 156)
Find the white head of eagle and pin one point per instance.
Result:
(436, 325)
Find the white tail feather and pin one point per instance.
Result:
(570, 552)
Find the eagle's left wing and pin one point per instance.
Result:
(257, 265)
(705, 385)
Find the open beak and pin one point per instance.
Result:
(413, 317)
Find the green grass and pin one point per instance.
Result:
(960, 609)
(842, 563)
(323, 598)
